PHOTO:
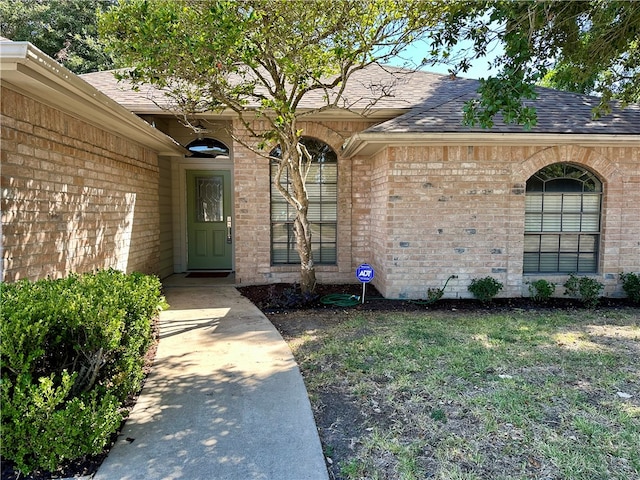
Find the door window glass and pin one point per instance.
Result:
(209, 193)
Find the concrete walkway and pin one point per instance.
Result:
(224, 400)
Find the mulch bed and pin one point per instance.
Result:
(282, 297)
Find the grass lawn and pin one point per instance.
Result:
(476, 395)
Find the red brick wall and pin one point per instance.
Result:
(74, 197)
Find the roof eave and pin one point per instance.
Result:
(370, 143)
(331, 114)
(26, 69)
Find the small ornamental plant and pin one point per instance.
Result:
(435, 294)
(631, 285)
(586, 288)
(484, 289)
(541, 290)
(289, 298)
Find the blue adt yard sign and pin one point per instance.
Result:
(365, 274)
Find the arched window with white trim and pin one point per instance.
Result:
(562, 220)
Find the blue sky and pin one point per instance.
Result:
(479, 69)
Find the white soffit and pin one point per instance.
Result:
(368, 144)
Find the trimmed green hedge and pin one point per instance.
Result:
(72, 350)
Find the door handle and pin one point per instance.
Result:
(228, 229)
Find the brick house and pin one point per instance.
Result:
(405, 188)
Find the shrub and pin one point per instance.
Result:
(586, 288)
(72, 351)
(44, 424)
(485, 289)
(631, 285)
(435, 294)
(541, 290)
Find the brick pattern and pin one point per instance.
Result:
(252, 210)
(460, 210)
(74, 197)
(252, 213)
(421, 213)
(376, 198)
(165, 267)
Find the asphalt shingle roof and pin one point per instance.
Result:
(558, 112)
(140, 100)
(433, 103)
(394, 88)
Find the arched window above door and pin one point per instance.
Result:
(208, 148)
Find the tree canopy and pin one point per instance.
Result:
(226, 54)
(65, 30)
(261, 59)
(584, 46)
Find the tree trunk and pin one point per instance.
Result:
(296, 161)
(303, 245)
(298, 167)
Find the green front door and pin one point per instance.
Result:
(209, 222)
